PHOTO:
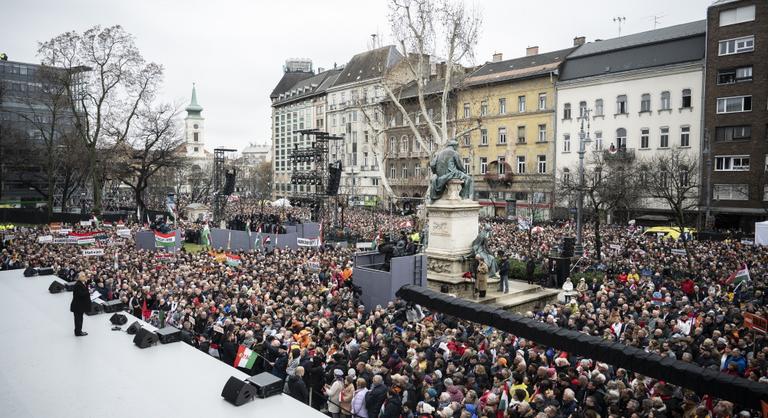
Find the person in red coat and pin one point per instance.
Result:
(81, 303)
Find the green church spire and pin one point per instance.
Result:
(194, 109)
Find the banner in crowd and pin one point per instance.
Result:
(233, 260)
(124, 232)
(616, 247)
(678, 251)
(62, 240)
(313, 265)
(165, 240)
(755, 322)
(86, 223)
(245, 358)
(308, 242)
(93, 252)
(85, 240)
(45, 239)
(55, 226)
(63, 231)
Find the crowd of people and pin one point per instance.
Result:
(309, 328)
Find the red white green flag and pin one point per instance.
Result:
(738, 276)
(165, 240)
(245, 358)
(233, 260)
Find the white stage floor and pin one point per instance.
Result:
(45, 371)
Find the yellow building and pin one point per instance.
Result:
(511, 154)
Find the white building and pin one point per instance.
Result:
(256, 153)
(354, 111)
(644, 93)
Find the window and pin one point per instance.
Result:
(196, 149)
(732, 163)
(734, 104)
(542, 166)
(621, 138)
(483, 108)
(685, 136)
(196, 136)
(665, 102)
(483, 165)
(735, 75)
(599, 107)
(404, 144)
(582, 109)
(566, 143)
(567, 111)
(365, 159)
(392, 144)
(521, 134)
(542, 133)
(645, 103)
(730, 192)
(664, 137)
(521, 104)
(483, 137)
(733, 133)
(466, 140)
(598, 140)
(502, 135)
(566, 176)
(374, 181)
(466, 110)
(405, 171)
(737, 15)
(417, 171)
(502, 162)
(521, 164)
(621, 104)
(502, 106)
(465, 161)
(686, 101)
(644, 138)
(737, 45)
(392, 171)
(542, 101)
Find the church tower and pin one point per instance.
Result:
(193, 128)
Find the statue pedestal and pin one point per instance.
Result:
(453, 225)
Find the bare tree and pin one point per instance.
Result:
(108, 80)
(672, 177)
(152, 145)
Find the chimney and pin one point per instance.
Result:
(531, 50)
(497, 57)
(579, 41)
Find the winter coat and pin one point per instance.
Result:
(482, 276)
(358, 403)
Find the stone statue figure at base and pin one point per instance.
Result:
(446, 165)
(480, 247)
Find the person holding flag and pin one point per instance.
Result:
(205, 236)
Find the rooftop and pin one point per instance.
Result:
(643, 38)
(368, 65)
(523, 67)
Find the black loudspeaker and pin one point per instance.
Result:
(118, 319)
(56, 287)
(30, 272)
(237, 392)
(334, 178)
(134, 328)
(562, 271)
(145, 338)
(266, 384)
(229, 181)
(169, 335)
(568, 244)
(116, 305)
(44, 271)
(96, 308)
(69, 286)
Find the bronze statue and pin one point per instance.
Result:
(446, 165)
(480, 248)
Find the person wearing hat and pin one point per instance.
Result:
(333, 393)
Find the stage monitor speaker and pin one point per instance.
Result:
(112, 306)
(145, 338)
(134, 328)
(44, 271)
(30, 272)
(266, 384)
(69, 286)
(169, 335)
(118, 319)
(56, 287)
(96, 308)
(237, 392)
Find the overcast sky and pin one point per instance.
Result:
(235, 50)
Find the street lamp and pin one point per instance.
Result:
(578, 249)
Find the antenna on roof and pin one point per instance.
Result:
(656, 20)
(619, 20)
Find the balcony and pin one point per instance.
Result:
(496, 179)
(619, 154)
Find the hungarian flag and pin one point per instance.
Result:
(245, 358)
(504, 400)
(165, 240)
(738, 276)
(233, 260)
(320, 234)
(267, 240)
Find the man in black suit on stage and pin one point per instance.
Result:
(81, 303)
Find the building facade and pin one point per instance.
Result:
(194, 135)
(354, 111)
(637, 95)
(736, 117)
(510, 156)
